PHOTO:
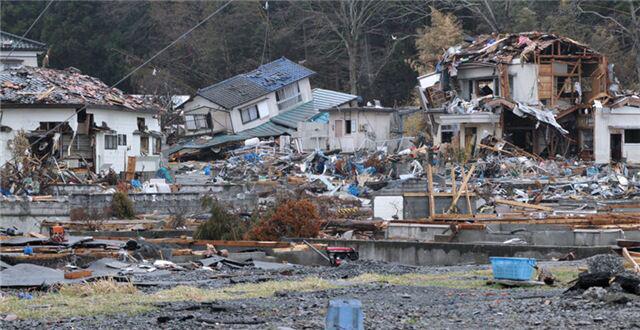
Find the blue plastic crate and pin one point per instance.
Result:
(344, 314)
(517, 269)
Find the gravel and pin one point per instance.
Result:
(609, 263)
(385, 306)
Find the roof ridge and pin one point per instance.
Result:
(23, 38)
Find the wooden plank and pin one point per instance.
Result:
(466, 194)
(463, 187)
(426, 194)
(131, 168)
(524, 205)
(78, 274)
(432, 200)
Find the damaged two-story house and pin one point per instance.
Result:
(267, 102)
(80, 121)
(537, 91)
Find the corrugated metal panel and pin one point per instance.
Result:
(322, 99)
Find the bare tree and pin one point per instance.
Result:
(626, 17)
(345, 23)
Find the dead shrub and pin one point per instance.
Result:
(222, 224)
(92, 218)
(97, 288)
(122, 206)
(292, 218)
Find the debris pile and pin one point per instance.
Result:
(607, 279)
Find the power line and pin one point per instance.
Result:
(30, 27)
(172, 43)
(129, 74)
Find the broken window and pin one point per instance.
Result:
(288, 96)
(446, 133)
(141, 124)
(195, 122)
(485, 87)
(632, 136)
(586, 139)
(349, 125)
(144, 145)
(82, 116)
(122, 139)
(249, 114)
(110, 142)
(157, 146)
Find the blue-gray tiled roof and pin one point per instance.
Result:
(248, 86)
(279, 73)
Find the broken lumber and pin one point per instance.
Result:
(463, 187)
(524, 205)
(627, 256)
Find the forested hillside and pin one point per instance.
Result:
(372, 48)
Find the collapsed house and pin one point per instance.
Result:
(267, 102)
(80, 121)
(541, 92)
(16, 51)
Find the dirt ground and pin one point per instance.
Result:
(392, 296)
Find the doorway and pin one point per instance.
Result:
(616, 147)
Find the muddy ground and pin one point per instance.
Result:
(428, 297)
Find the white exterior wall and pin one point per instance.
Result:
(608, 121)
(27, 120)
(121, 122)
(378, 123)
(485, 124)
(221, 118)
(312, 135)
(28, 58)
(525, 81)
(305, 90)
(125, 123)
(266, 103)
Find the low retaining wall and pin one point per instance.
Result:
(447, 254)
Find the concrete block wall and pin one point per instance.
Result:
(27, 216)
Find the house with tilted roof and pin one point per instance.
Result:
(269, 101)
(17, 51)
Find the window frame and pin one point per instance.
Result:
(122, 139)
(199, 121)
(157, 146)
(248, 110)
(283, 101)
(110, 142)
(448, 129)
(144, 147)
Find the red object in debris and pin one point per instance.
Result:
(56, 234)
(337, 254)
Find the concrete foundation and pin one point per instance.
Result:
(532, 234)
(447, 254)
